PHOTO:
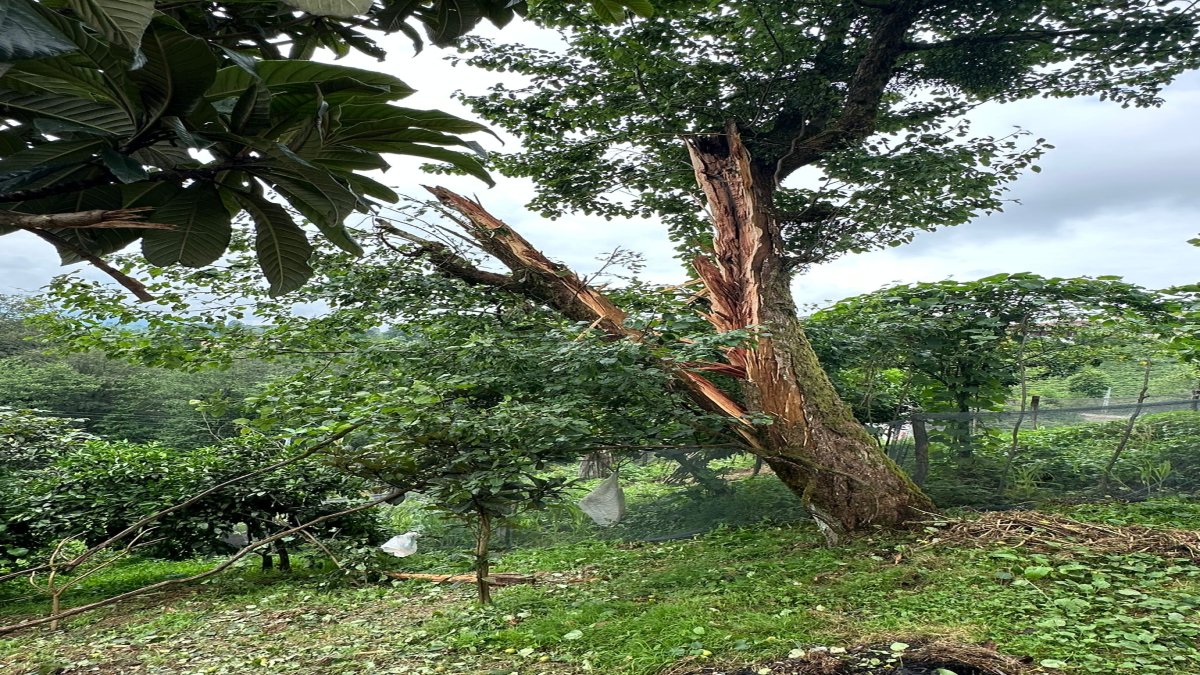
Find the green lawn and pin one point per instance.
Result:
(733, 595)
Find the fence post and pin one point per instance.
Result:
(1196, 400)
(1034, 402)
(920, 451)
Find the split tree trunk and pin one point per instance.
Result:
(814, 445)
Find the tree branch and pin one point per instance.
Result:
(560, 288)
(446, 260)
(133, 285)
(188, 502)
(860, 107)
(93, 219)
(249, 548)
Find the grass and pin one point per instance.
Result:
(736, 594)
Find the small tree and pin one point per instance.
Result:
(1089, 382)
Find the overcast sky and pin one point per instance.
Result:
(1119, 195)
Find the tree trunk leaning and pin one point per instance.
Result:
(813, 444)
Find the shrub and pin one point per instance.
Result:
(100, 487)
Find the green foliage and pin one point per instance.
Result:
(1089, 383)
(111, 104)
(831, 86)
(963, 346)
(1071, 458)
(733, 596)
(97, 488)
(29, 442)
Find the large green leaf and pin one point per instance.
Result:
(315, 193)
(97, 115)
(179, 69)
(55, 153)
(342, 8)
(282, 248)
(434, 120)
(165, 156)
(296, 75)
(463, 162)
(371, 187)
(252, 112)
(11, 187)
(110, 62)
(318, 195)
(57, 76)
(202, 230)
(384, 135)
(451, 20)
(122, 167)
(120, 21)
(25, 34)
(343, 159)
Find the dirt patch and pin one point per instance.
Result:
(1048, 532)
(934, 657)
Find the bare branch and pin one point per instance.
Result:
(249, 548)
(186, 503)
(446, 260)
(132, 285)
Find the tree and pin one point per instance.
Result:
(869, 96)
(1090, 382)
(966, 344)
(127, 120)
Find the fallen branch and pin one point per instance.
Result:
(501, 579)
(247, 550)
(132, 285)
(1049, 532)
(77, 560)
(93, 219)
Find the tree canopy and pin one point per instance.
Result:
(127, 120)
(862, 104)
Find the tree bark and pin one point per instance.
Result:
(483, 537)
(920, 451)
(813, 444)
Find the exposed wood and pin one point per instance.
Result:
(93, 219)
(556, 284)
(560, 288)
(813, 444)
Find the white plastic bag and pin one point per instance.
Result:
(401, 545)
(606, 504)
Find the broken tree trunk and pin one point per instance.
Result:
(813, 444)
